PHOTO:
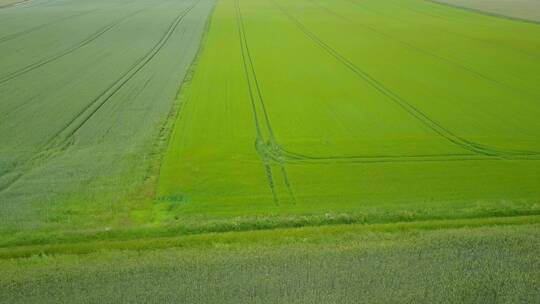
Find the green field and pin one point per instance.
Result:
(269, 151)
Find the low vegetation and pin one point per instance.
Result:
(489, 264)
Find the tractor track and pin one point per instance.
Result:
(263, 146)
(280, 155)
(73, 127)
(259, 141)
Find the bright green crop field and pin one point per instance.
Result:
(269, 151)
(387, 109)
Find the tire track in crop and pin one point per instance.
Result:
(41, 26)
(68, 51)
(294, 158)
(61, 139)
(81, 44)
(265, 147)
(282, 155)
(411, 46)
(409, 108)
(259, 141)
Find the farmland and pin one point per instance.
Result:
(266, 151)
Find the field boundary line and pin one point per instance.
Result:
(175, 114)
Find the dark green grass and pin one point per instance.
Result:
(466, 265)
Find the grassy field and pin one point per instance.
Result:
(343, 264)
(528, 10)
(315, 126)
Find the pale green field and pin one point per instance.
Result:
(86, 90)
(519, 9)
(328, 265)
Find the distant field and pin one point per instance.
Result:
(388, 109)
(520, 9)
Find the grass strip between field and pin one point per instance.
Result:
(260, 237)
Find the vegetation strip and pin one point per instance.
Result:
(269, 237)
